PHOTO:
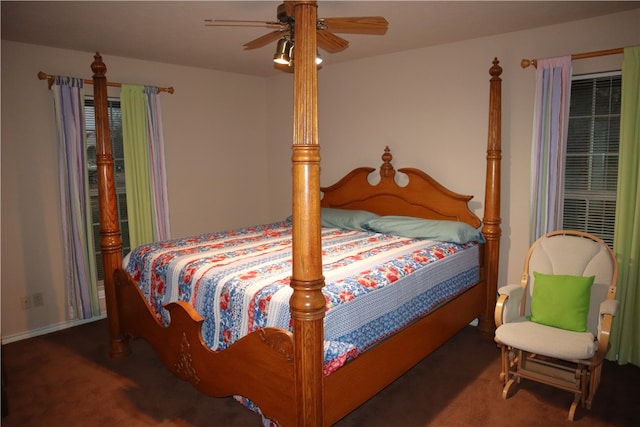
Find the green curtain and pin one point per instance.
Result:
(136, 165)
(625, 336)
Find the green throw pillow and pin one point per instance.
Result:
(561, 301)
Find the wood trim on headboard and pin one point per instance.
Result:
(421, 197)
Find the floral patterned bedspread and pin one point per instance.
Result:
(238, 281)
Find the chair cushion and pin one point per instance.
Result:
(561, 300)
(547, 340)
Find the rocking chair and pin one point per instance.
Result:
(554, 327)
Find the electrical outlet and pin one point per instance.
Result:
(37, 299)
(25, 303)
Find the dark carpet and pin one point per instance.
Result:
(67, 379)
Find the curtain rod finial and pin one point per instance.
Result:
(44, 76)
(528, 62)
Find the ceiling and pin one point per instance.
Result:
(174, 31)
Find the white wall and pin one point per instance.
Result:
(225, 133)
(215, 136)
(430, 106)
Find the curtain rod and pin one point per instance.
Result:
(527, 62)
(50, 79)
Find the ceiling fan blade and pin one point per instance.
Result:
(264, 40)
(240, 23)
(356, 25)
(330, 42)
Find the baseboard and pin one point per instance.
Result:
(49, 329)
(58, 326)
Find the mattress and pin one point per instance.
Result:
(238, 281)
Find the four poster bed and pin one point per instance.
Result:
(293, 372)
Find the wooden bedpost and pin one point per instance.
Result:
(110, 242)
(491, 228)
(307, 303)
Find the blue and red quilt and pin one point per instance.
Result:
(238, 281)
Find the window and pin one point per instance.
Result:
(591, 168)
(115, 126)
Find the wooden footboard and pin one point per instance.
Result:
(258, 366)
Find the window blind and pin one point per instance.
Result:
(591, 168)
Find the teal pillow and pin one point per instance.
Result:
(346, 218)
(441, 230)
(561, 301)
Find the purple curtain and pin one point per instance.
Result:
(550, 124)
(79, 254)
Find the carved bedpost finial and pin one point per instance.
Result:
(97, 66)
(496, 69)
(386, 170)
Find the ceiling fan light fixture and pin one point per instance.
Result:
(283, 31)
(283, 52)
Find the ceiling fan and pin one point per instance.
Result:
(284, 31)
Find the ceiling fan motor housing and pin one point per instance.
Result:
(283, 16)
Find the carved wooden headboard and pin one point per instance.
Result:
(421, 197)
